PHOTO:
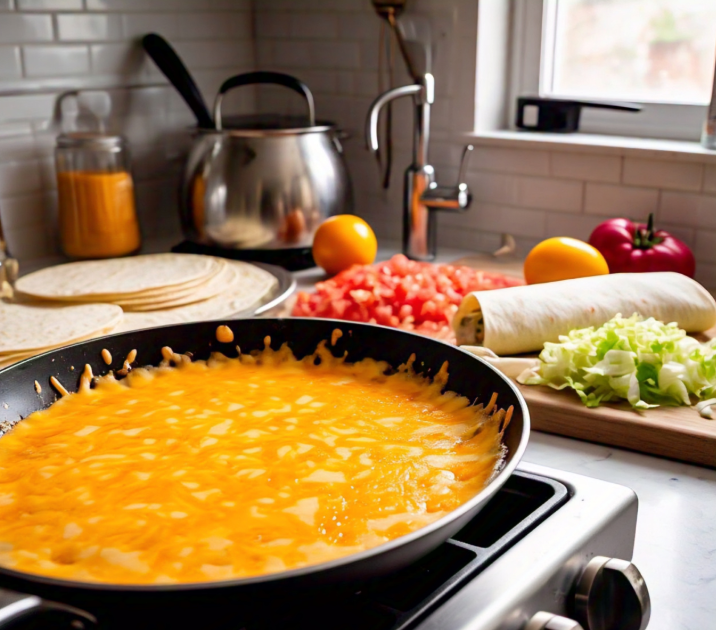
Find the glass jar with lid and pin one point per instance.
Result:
(97, 212)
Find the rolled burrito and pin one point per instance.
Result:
(521, 319)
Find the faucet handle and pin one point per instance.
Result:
(452, 198)
(466, 153)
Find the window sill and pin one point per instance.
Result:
(648, 148)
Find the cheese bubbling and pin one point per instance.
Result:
(237, 467)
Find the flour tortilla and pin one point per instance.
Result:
(253, 285)
(34, 328)
(9, 359)
(229, 277)
(522, 319)
(117, 277)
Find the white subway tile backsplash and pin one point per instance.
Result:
(84, 28)
(49, 5)
(705, 249)
(214, 54)
(139, 24)
(710, 179)
(688, 209)
(368, 55)
(493, 187)
(358, 26)
(25, 211)
(595, 168)
(549, 194)
(663, 174)
(95, 46)
(319, 82)
(30, 242)
(19, 177)
(53, 61)
(314, 26)
(272, 25)
(126, 58)
(290, 54)
(16, 143)
(10, 64)
(510, 161)
(345, 82)
(706, 275)
(574, 225)
(497, 218)
(366, 83)
(167, 5)
(467, 239)
(214, 26)
(345, 55)
(25, 28)
(25, 108)
(617, 201)
(264, 54)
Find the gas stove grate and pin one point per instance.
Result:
(399, 600)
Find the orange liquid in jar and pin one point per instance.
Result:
(97, 214)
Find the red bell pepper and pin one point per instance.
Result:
(638, 247)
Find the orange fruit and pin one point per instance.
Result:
(563, 258)
(343, 241)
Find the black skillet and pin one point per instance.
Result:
(186, 605)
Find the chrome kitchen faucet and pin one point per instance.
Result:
(422, 196)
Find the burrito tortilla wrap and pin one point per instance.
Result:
(522, 319)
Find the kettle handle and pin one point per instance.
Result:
(276, 78)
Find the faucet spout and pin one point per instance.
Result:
(371, 132)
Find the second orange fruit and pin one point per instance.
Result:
(343, 241)
(563, 258)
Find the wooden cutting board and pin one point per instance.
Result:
(675, 432)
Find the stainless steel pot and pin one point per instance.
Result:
(263, 186)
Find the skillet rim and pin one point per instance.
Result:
(497, 481)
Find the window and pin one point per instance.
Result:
(659, 53)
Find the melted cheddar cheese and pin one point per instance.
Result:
(236, 467)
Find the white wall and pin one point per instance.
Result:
(55, 45)
(530, 193)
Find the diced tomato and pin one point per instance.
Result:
(402, 293)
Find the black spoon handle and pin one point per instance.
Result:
(174, 69)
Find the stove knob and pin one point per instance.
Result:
(612, 595)
(550, 621)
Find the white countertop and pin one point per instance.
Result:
(675, 545)
(676, 529)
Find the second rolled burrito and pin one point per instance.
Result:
(522, 319)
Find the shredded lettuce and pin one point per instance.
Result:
(644, 361)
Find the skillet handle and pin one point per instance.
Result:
(274, 78)
(19, 612)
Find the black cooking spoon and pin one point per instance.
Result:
(174, 69)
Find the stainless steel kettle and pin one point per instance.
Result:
(258, 183)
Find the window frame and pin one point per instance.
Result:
(530, 33)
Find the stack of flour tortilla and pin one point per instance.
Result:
(139, 292)
(29, 329)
